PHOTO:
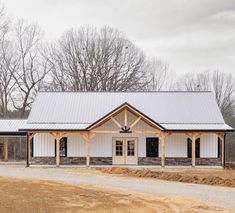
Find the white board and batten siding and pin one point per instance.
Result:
(175, 146)
(43, 145)
(101, 144)
(209, 146)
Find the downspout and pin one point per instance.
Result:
(224, 151)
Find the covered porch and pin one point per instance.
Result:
(126, 137)
(12, 142)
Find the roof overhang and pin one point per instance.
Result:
(10, 127)
(195, 127)
(19, 133)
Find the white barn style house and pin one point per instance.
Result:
(124, 128)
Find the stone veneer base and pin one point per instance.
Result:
(179, 161)
(71, 161)
(141, 161)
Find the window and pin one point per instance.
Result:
(32, 148)
(130, 148)
(152, 147)
(63, 147)
(219, 145)
(190, 148)
(119, 148)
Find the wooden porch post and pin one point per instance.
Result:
(193, 150)
(88, 153)
(163, 140)
(222, 147)
(29, 141)
(57, 151)
(87, 137)
(57, 136)
(5, 141)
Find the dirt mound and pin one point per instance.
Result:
(189, 177)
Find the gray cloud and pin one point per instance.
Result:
(190, 35)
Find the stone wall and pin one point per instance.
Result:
(141, 161)
(101, 161)
(42, 161)
(208, 161)
(149, 161)
(179, 161)
(71, 161)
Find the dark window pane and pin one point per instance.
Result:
(32, 148)
(219, 150)
(63, 147)
(198, 148)
(152, 147)
(190, 148)
(119, 148)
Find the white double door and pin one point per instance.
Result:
(125, 151)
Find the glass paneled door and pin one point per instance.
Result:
(125, 151)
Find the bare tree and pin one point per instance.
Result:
(221, 83)
(7, 64)
(195, 82)
(90, 60)
(160, 77)
(4, 22)
(224, 87)
(32, 66)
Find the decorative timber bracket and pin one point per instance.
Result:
(125, 130)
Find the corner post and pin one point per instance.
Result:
(5, 141)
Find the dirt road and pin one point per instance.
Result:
(47, 196)
(219, 196)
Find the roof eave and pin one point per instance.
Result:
(198, 130)
(46, 130)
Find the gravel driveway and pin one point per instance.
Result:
(220, 196)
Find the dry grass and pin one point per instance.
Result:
(217, 177)
(18, 195)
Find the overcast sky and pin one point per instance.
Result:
(191, 35)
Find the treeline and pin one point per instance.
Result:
(89, 59)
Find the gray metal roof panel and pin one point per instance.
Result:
(162, 107)
(12, 125)
(198, 127)
(53, 126)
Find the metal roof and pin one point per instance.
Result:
(54, 126)
(11, 126)
(198, 127)
(173, 110)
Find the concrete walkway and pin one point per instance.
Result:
(220, 196)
